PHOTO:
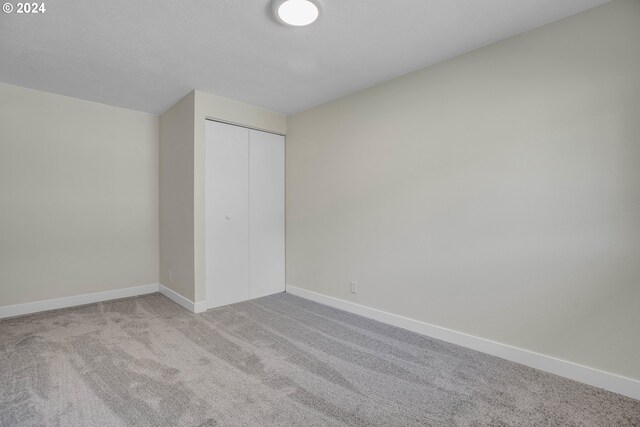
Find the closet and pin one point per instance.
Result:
(244, 243)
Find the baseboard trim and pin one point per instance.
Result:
(584, 374)
(75, 300)
(194, 307)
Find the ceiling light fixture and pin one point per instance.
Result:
(296, 13)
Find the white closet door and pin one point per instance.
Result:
(266, 213)
(227, 209)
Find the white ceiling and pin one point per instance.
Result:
(147, 54)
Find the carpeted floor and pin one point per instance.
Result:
(279, 360)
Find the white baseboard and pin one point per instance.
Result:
(194, 307)
(606, 380)
(54, 304)
(75, 300)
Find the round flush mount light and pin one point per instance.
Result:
(296, 13)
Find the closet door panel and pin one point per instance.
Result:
(227, 209)
(266, 213)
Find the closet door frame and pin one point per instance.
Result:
(209, 297)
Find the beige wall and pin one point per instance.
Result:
(182, 178)
(176, 197)
(496, 194)
(78, 197)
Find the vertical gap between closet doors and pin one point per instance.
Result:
(249, 207)
(284, 209)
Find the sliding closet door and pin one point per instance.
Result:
(266, 213)
(227, 209)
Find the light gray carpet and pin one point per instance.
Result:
(279, 360)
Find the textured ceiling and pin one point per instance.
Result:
(147, 54)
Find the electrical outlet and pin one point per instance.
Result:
(170, 278)
(353, 287)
